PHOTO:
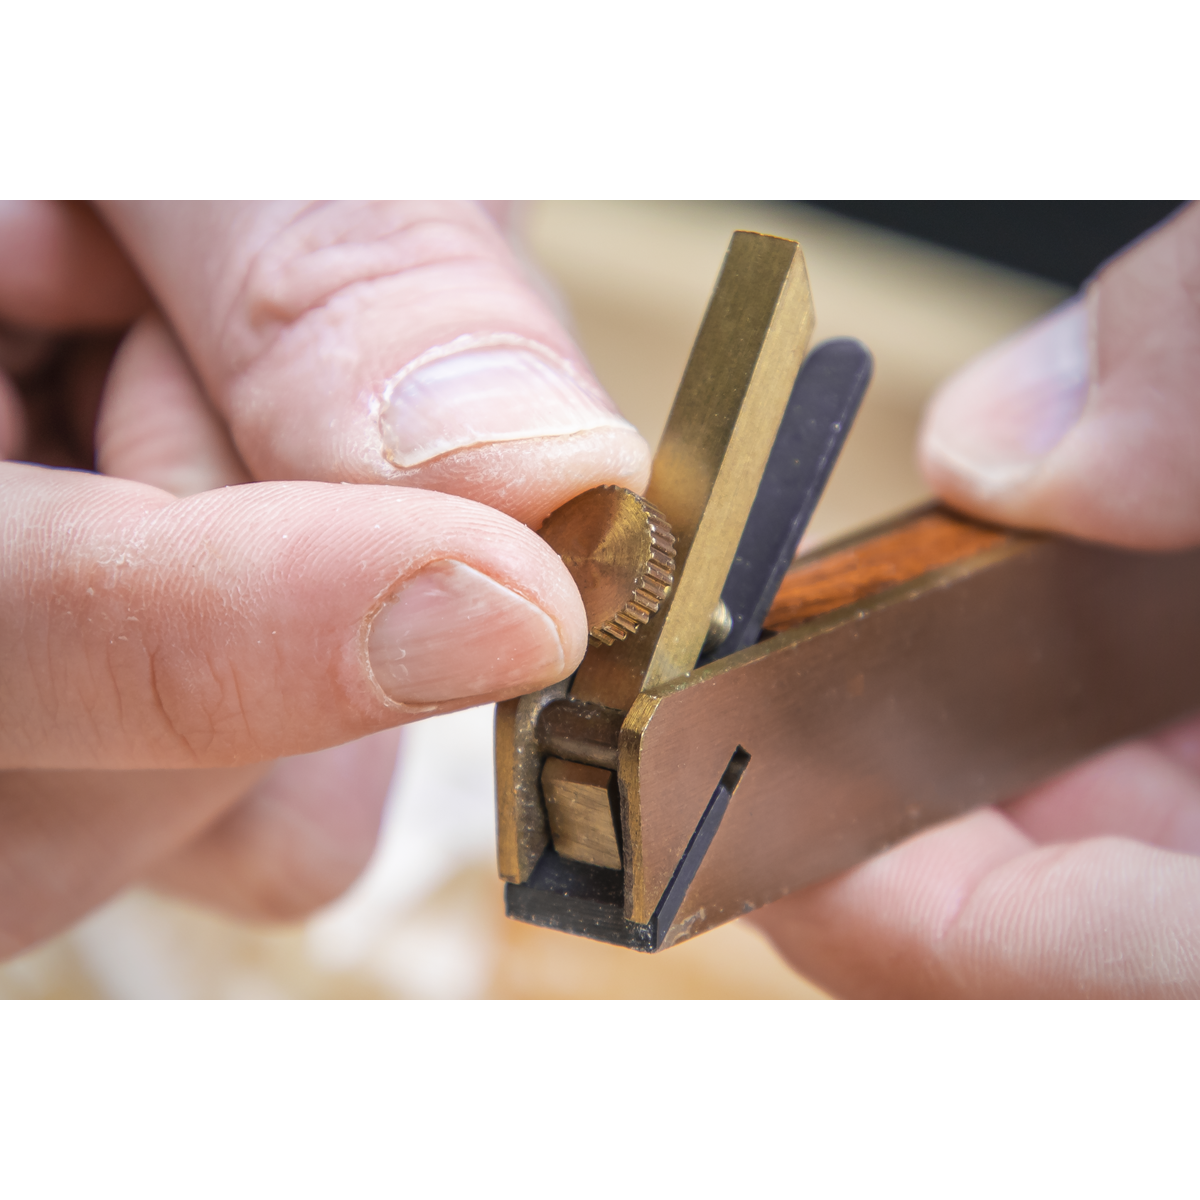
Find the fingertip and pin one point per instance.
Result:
(991, 428)
(155, 425)
(487, 388)
(509, 422)
(451, 632)
(1085, 423)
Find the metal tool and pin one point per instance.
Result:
(770, 724)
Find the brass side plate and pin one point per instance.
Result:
(963, 687)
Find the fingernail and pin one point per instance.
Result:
(450, 632)
(998, 419)
(476, 390)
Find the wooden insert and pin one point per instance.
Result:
(836, 577)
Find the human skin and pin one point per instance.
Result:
(1086, 424)
(311, 442)
(197, 692)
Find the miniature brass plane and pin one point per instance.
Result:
(754, 725)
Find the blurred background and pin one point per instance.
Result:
(926, 286)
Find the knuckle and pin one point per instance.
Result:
(331, 249)
(198, 708)
(163, 688)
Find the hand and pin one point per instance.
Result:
(1087, 424)
(320, 435)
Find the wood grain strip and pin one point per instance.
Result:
(833, 578)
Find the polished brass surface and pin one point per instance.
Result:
(522, 833)
(959, 688)
(584, 733)
(711, 456)
(720, 626)
(580, 802)
(621, 554)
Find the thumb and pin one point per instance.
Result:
(1088, 422)
(382, 343)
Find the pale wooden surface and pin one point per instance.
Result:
(428, 920)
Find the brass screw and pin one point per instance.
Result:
(621, 553)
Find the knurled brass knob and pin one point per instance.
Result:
(621, 554)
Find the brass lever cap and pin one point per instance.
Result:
(621, 553)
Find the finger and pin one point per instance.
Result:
(1135, 791)
(62, 400)
(972, 909)
(24, 352)
(297, 841)
(382, 343)
(1181, 743)
(69, 840)
(154, 424)
(12, 420)
(1087, 423)
(61, 270)
(259, 621)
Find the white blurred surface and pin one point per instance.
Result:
(440, 819)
